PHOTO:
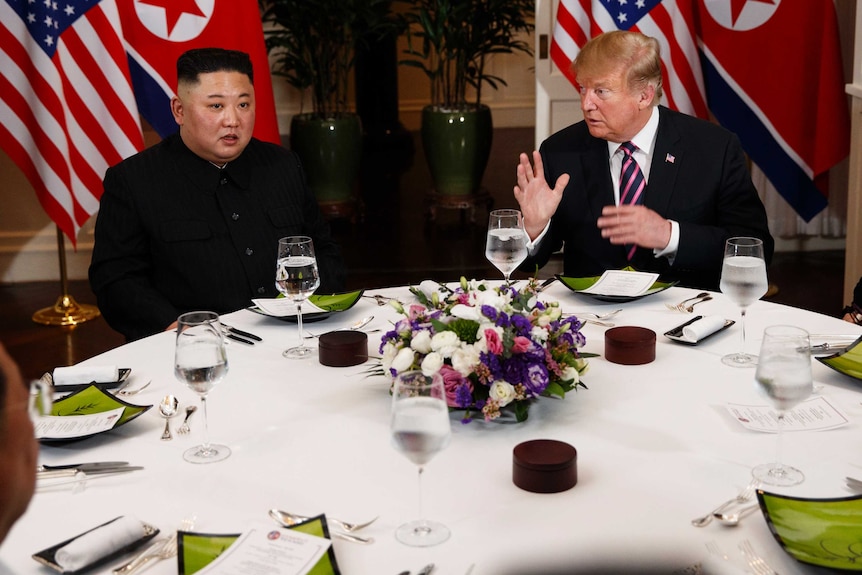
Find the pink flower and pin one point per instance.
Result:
(492, 339)
(456, 385)
(520, 344)
(416, 311)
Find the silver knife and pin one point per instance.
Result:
(58, 473)
(426, 570)
(855, 484)
(85, 467)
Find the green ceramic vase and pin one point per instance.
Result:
(330, 150)
(457, 147)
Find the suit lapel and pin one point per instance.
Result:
(668, 154)
(597, 176)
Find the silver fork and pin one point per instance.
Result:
(128, 392)
(757, 563)
(184, 428)
(681, 305)
(162, 550)
(741, 497)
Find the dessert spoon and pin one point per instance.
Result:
(733, 519)
(285, 520)
(168, 408)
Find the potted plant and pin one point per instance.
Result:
(451, 41)
(313, 46)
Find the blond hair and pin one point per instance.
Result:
(638, 54)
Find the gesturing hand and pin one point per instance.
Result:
(538, 201)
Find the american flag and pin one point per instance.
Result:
(671, 22)
(67, 110)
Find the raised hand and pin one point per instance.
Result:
(538, 201)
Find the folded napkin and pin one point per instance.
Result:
(99, 542)
(85, 374)
(703, 327)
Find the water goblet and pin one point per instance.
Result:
(200, 362)
(506, 244)
(784, 376)
(743, 281)
(296, 277)
(420, 429)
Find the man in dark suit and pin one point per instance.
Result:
(691, 183)
(193, 222)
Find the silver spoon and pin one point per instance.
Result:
(690, 309)
(733, 519)
(168, 408)
(285, 520)
(353, 327)
(127, 392)
(597, 316)
(681, 305)
(347, 526)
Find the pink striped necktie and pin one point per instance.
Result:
(632, 184)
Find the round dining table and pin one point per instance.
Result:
(656, 447)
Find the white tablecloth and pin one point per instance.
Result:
(656, 447)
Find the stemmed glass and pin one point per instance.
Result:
(420, 428)
(296, 277)
(784, 375)
(200, 362)
(506, 246)
(743, 281)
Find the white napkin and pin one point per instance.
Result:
(98, 543)
(703, 327)
(85, 374)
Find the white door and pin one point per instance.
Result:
(557, 101)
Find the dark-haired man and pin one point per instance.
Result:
(193, 222)
(687, 178)
(19, 450)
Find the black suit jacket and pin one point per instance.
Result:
(176, 234)
(699, 177)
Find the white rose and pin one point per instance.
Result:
(466, 312)
(544, 320)
(429, 288)
(432, 363)
(570, 373)
(389, 353)
(445, 343)
(502, 392)
(539, 334)
(465, 359)
(421, 341)
(555, 312)
(404, 360)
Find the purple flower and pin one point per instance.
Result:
(537, 379)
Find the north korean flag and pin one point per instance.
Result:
(773, 75)
(158, 31)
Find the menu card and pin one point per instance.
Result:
(815, 414)
(622, 283)
(266, 551)
(67, 427)
(284, 306)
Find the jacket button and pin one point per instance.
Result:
(223, 181)
(261, 290)
(234, 216)
(249, 251)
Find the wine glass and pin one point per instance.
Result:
(200, 362)
(743, 281)
(784, 375)
(506, 246)
(296, 277)
(420, 428)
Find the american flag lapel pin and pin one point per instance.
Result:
(669, 158)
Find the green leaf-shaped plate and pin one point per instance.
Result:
(330, 303)
(197, 550)
(847, 361)
(824, 532)
(92, 399)
(578, 285)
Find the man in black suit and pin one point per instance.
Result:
(697, 193)
(193, 222)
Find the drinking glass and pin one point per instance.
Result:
(420, 428)
(200, 362)
(743, 281)
(506, 246)
(784, 375)
(296, 277)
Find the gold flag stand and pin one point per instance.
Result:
(65, 311)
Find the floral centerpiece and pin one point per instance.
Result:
(495, 347)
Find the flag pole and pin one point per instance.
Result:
(65, 311)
